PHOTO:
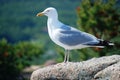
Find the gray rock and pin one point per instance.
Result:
(112, 72)
(104, 68)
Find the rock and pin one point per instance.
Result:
(31, 68)
(50, 62)
(104, 68)
(112, 72)
(26, 73)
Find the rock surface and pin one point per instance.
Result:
(104, 68)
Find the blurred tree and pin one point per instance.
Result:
(23, 22)
(13, 58)
(102, 19)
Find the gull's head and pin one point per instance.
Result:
(50, 12)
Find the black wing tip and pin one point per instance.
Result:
(105, 43)
(102, 44)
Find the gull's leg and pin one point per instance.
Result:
(68, 52)
(65, 57)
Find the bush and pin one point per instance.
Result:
(102, 19)
(13, 58)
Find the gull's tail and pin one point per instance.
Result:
(103, 43)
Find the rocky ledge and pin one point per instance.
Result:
(103, 68)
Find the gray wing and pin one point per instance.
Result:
(75, 37)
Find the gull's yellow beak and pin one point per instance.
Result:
(40, 14)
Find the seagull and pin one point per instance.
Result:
(69, 37)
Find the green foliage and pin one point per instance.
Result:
(102, 19)
(13, 58)
(19, 18)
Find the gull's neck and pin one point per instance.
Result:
(53, 22)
